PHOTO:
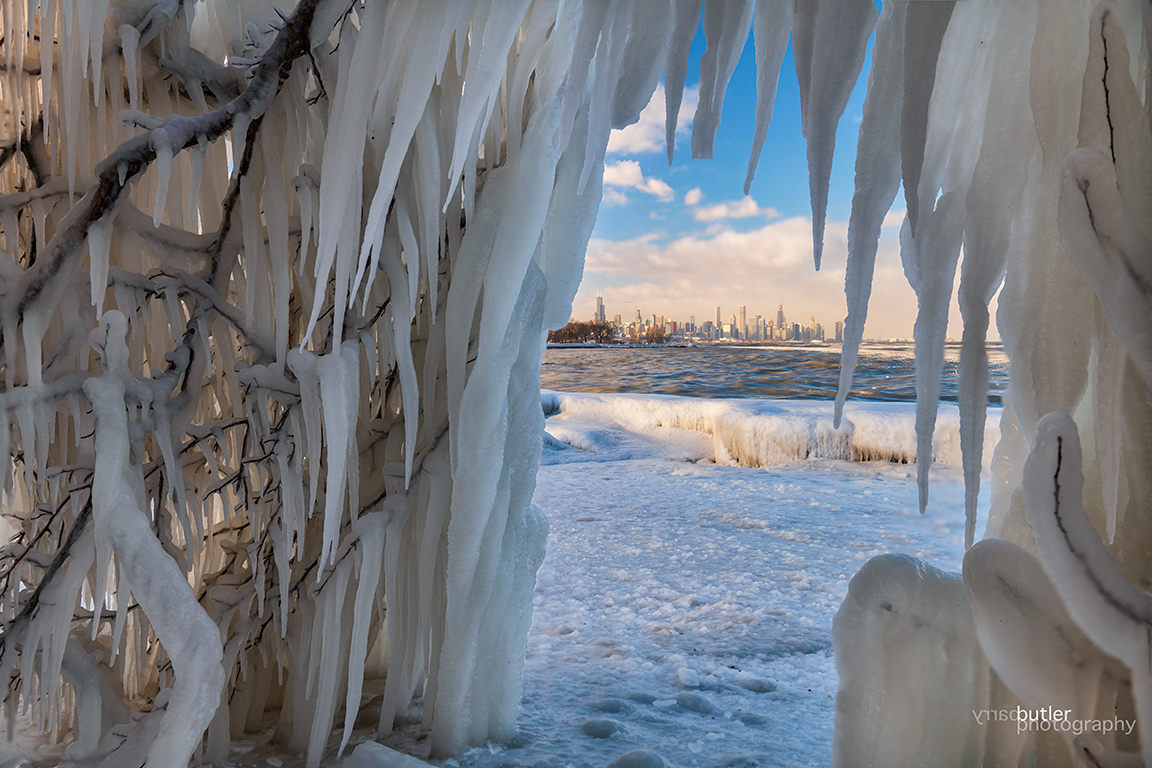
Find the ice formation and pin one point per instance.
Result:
(307, 426)
(752, 433)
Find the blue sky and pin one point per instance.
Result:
(682, 240)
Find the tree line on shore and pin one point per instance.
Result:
(585, 331)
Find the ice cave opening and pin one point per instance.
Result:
(295, 415)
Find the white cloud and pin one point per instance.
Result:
(627, 173)
(894, 218)
(614, 197)
(734, 209)
(693, 196)
(647, 134)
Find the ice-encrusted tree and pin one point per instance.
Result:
(274, 291)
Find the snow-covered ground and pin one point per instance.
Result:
(685, 606)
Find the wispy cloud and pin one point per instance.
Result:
(693, 196)
(733, 209)
(647, 134)
(628, 175)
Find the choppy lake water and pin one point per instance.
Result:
(884, 371)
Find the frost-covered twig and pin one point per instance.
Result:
(176, 134)
(212, 301)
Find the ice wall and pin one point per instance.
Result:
(1030, 149)
(757, 433)
(335, 259)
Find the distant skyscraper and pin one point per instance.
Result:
(780, 316)
(600, 317)
(742, 321)
(718, 323)
(839, 330)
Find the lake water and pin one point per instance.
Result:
(884, 371)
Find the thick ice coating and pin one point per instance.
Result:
(317, 251)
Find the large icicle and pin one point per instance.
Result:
(726, 27)
(951, 149)
(771, 25)
(839, 42)
(877, 180)
(997, 183)
(923, 34)
(687, 18)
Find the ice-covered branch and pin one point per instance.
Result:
(212, 301)
(176, 134)
(1109, 250)
(1115, 613)
(189, 636)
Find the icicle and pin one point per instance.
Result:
(607, 76)
(644, 56)
(1107, 421)
(420, 68)
(328, 635)
(343, 147)
(877, 180)
(930, 265)
(130, 42)
(592, 16)
(725, 30)
(99, 246)
(485, 67)
(305, 185)
(5, 456)
(923, 34)
(164, 154)
(303, 364)
(540, 23)
(401, 334)
(194, 184)
(96, 47)
(840, 39)
(997, 184)
(371, 532)
(276, 218)
(687, 15)
(428, 191)
(771, 25)
(47, 55)
(340, 437)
